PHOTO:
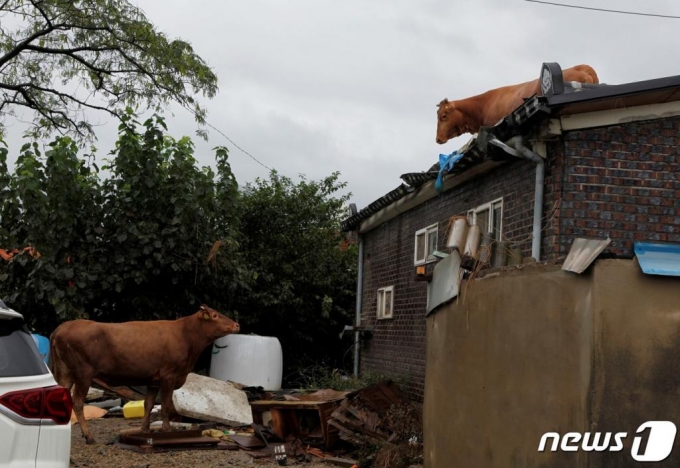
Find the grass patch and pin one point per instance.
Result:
(320, 377)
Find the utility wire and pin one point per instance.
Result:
(238, 147)
(603, 9)
(230, 140)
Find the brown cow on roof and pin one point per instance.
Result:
(468, 115)
(159, 354)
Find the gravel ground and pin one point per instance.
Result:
(106, 455)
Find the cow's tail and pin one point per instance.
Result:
(53, 357)
(56, 363)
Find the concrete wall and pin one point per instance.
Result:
(541, 350)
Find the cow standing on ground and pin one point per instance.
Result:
(455, 118)
(159, 354)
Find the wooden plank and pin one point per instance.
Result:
(263, 405)
(176, 448)
(347, 462)
(162, 435)
(187, 441)
(139, 440)
(125, 392)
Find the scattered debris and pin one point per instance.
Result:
(210, 399)
(173, 424)
(128, 393)
(362, 417)
(301, 419)
(174, 440)
(94, 394)
(285, 426)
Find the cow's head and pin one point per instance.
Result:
(450, 121)
(214, 324)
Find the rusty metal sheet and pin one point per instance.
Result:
(249, 442)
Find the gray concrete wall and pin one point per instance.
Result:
(540, 350)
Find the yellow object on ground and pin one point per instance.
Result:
(133, 409)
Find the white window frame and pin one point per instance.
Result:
(426, 232)
(380, 308)
(490, 206)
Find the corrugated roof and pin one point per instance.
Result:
(531, 111)
(474, 154)
(658, 259)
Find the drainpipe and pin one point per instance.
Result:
(360, 287)
(518, 149)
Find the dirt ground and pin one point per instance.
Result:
(104, 454)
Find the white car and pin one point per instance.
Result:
(35, 412)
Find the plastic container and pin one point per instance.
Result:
(250, 360)
(458, 236)
(133, 409)
(43, 344)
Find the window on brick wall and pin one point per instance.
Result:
(426, 243)
(489, 217)
(385, 302)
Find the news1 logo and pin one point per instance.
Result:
(660, 440)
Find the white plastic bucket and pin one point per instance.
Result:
(250, 360)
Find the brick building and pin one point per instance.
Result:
(610, 160)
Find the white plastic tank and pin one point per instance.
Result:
(251, 360)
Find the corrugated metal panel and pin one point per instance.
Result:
(583, 252)
(658, 259)
(445, 281)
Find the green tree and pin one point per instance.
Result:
(170, 227)
(106, 48)
(305, 270)
(151, 241)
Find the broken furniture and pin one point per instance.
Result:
(305, 418)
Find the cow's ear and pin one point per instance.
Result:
(206, 316)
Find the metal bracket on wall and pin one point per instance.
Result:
(356, 328)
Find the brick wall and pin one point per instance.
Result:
(397, 347)
(620, 181)
(623, 182)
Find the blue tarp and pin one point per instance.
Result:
(446, 162)
(658, 259)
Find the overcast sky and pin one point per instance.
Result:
(316, 86)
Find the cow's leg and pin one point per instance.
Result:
(149, 401)
(79, 394)
(167, 388)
